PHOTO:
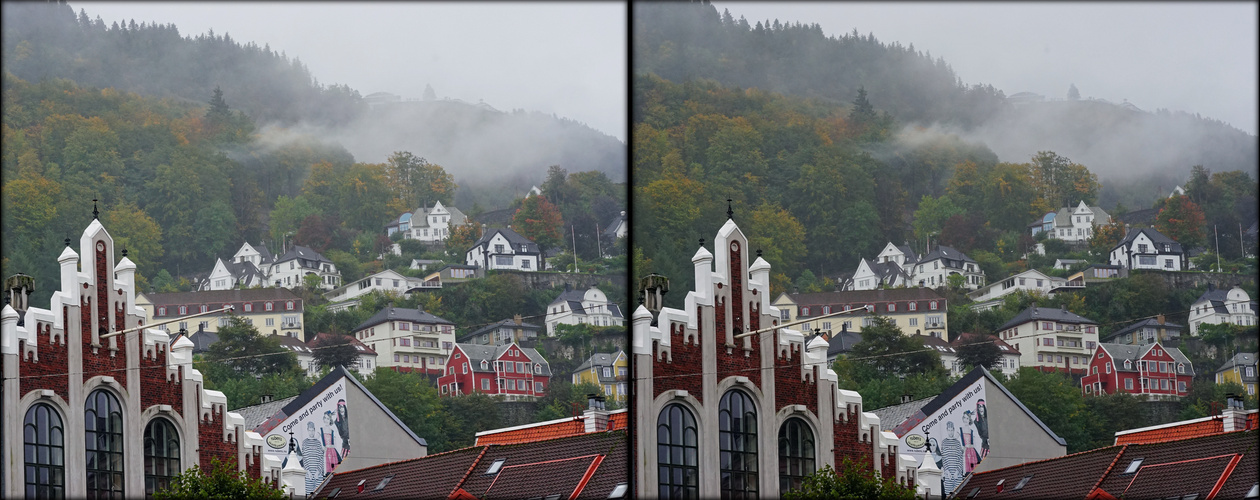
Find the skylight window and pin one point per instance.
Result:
(974, 492)
(1022, 482)
(333, 493)
(494, 467)
(1254, 492)
(384, 481)
(1133, 466)
(620, 491)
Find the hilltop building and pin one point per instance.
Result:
(1147, 331)
(503, 248)
(1217, 306)
(503, 332)
(1073, 225)
(917, 311)
(273, 311)
(517, 373)
(255, 266)
(768, 402)
(587, 306)
(1240, 369)
(1032, 281)
(408, 340)
(384, 281)
(608, 371)
(1146, 248)
(898, 265)
(425, 224)
(1051, 339)
(1152, 369)
(65, 385)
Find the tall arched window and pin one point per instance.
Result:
(103, 426)
(677, 453)
(796, 453)
(44, 440)
(737, 439)
(161, 455)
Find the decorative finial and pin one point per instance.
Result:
(67, 242)
(730, 214)
(701, 242)
(124, 251)
(95, 213)
(758, 253)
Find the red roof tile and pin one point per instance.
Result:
(1189, 430)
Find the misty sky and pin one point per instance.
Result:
(563, 58)
(1194, 57)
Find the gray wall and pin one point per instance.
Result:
(374, 437)
(1014, 437)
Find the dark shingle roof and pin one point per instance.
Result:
(477, 353)
(600, 359)
(947, 253)
(400, 314)
(1151, 322)
(841, 342)
(255, 415)
(1035, 313)
(1156, 238)
(891, 416)
(1241, 359)
(1121, 352)
(514, 238)
(303, 253)
(510, 323)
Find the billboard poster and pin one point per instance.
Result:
(955, 437)
(319, 433)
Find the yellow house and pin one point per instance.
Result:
(916, 311)
(607, 370)
(273, 311)
(1240, 369)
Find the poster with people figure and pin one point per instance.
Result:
(955, 436)
(318, 433)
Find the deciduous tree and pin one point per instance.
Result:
(539, 220)
(223, 480)
(1183, 221)
(248, 352)
(334, 350)
(853, 481)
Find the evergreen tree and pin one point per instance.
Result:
(1073, 94)
(862, 114)
(218, 111)
(429, 94)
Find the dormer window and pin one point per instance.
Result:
(288, 306)
(914, 306)
(932, 305)
(161, 311)
(826, 310)
(183, 310)
(1128, 365)
(249, 307)
(804, 311)
(268, 307)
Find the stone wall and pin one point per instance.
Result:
(544, 281)
(1190, 280)
(517, 412)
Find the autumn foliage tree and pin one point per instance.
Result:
(540, 221)
(1183, 221)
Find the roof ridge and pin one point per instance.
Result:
(1107, 471)
(460, 484)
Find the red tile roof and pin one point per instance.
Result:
(1225, 464)
(1200, 427)
(547, 430)
(587, 465)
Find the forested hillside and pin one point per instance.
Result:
(1135, 153)
(817, 187)
(48, 40)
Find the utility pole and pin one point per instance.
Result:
(1218, 248)
(573, 234)
(600, 247)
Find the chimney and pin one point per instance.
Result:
(1235, 417)
(595, 417)
(265, 398)
(906, 398)
(1160, 319)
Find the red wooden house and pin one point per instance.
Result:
(1152, 369)
(510, 370)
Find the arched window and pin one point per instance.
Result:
(677, 459)
(737, 438)
(161, 455)
(103, 426)
(44, 439)
(796, 453)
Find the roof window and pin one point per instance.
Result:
(620, 491)
(333, 493)
(1022, 483)
(384, 481)
(1133, 466)
(1254, 492)
(494, 467)
(974, 492)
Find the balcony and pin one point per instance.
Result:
(934, 325)
(290, 326)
